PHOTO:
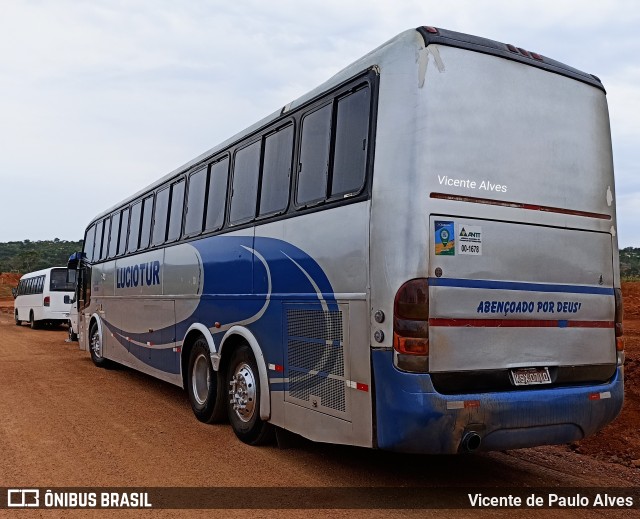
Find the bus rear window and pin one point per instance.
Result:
(58, 281)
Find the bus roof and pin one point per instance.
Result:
(431, 35)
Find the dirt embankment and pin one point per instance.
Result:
(620, 441)
(7, 282)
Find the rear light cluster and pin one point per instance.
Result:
(618, 320)
(47, 301)
(411, 326)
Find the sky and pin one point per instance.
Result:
(99, 99)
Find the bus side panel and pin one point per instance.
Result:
(323, 343)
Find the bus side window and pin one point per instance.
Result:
(160, 217)
(105, 241)
(244, 192)
(98, 246)
(115, 235)
(276, 171)
(176, 211)
(145, 232)
(314, 156)
(217, 195)
(89, 242)
(194, 218)
(124, 225)
(350, 150)
(41, 285)
(134, 227)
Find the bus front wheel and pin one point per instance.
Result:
(204, 385)
(243, 382)
(95, 347)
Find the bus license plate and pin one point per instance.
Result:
(530, 376)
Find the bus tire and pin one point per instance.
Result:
(32, 322)
(205, 386)
(243, 382)
(95, 348)
(18, 321)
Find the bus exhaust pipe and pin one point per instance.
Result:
(471, 442)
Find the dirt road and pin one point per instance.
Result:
(64, 422)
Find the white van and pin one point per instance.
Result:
(43, 297)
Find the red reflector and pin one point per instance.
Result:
(279, 368)
(432, 30)
(594, 396)
(362, 387)
(512, 48)
(472, 403)
(620, 343)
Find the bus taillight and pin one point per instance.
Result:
(411, 326)
(47, 301)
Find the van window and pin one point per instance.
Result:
(58, 281)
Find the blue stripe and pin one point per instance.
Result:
(514, 285)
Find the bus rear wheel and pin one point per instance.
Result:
(204, 385)
(18, 321)
(243, 382)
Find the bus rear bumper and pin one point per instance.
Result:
(412, 417)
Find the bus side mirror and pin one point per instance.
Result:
(14, 292)
(69, 300)
(74, 261)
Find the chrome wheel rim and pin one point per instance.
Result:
(200, 379)
(96, 345)
(243, 392)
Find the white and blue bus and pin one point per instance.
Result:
(419, 255)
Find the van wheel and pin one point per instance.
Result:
(72, 335)
(32, 322)
(243, 382)
(18, 321)
(204, 385)
(95, 347)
